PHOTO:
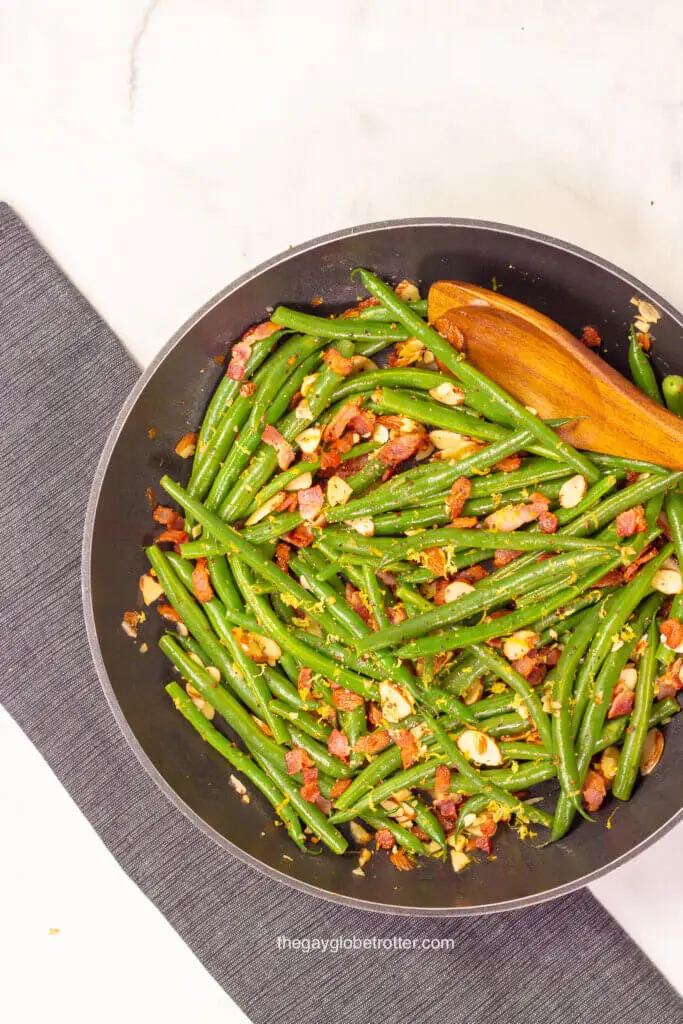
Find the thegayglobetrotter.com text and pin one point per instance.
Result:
(358, 943)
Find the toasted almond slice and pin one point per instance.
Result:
(408, 352)
(396, 703)
(573, 491)
(380, 434)
(364, 526)
(266, 509)
(447, 394)
(480, 748)
(609, 762)
(309, 440)
(520, 643)
(214, 672)
(646, 310)
(258, 648)
(308, 383)
(300, 483)
(428, 358)
(359, 834)
(361, 364)
(338, 491)
(452, 445)
(363, 857)
(459, 860)
(628, 677)
(456, 589)
(473, 693)
(187, 445)
(150, 588)
(195, 696)
(667, 581)
(653, 748)
(407, 291)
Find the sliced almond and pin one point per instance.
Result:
(380, 434)
(456, 589)
(130, 623)
(361, 364)
(459, 860)
(267, 508)
(300, 483)
(408, 352)
(150, 588)
(258, 648)
(309, 440)
(364, 526)
(396, 703)
(195, 696)
(214, 672)
(646, 311)
(628, 677)
(363, 857)
(520, 643)
(473, 693)
(609, 762)
(667, 581)
(452, 445)
(428, 358)
(407, 291)
(653, 748)
(359, 834)
(447, 394)
(573, 491)
(338, 491)
(187, 446)
(480, 748)
(308, 383)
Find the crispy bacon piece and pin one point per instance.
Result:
(594, 790)
(550, 655)
(396, 613)
(337, 362)
(345, 700)
(311, 501)
(239, 358)
(169, 613)
(509, 464)
(309, 790)
(303, 682)
(355, 310)
(548, 522)
(631, 521)
(285, 452)
(434, 559)
(173, 537)
(338, 745)
(400, 448)
(384, 839)
(530, 666)
(338, 787)
(631, 476)
(611, 579)
(420, 833)
(363, 423)
(355, 599)
(401, 861)
(459, 493)
(590, 338)
(247, 389)
(630, 570)
(259, 332)
(464, 522)
(442, 782)
(342, 445)
(479, 843)
(503, 556)
(407, 743)
(296, 760)
(301, 536)
(473, 574)
(330, 460)
(372, 742)
(670, 683)
(282, 556)
(374, 714)
(622, 702)
(341, 419)
(201, 584)
(671, 631)
(168, 517)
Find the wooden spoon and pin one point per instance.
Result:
(542, 365)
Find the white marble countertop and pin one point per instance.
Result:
(159, 149)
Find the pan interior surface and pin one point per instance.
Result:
(566, 284)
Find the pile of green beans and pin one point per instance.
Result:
(371, 650)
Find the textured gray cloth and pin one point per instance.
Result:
(64, 376)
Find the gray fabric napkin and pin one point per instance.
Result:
(64, 377)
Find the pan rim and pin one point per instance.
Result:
(517, 903)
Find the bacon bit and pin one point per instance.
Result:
(187, 446)
(396, 614)
(338, 787)
(671, 631)
(168, 517)
(259, 332)
(304, 682)
(282, 556)
(301, 536)
(355, 599)
(337, 362)
(285, 452)
(631, 476)
(622, 702)
(611, 579)
(345, 700)
(342, 445)
(420, 833)
(527, 665)
(201, 583)
(550, 655)
(287, 502)
(309, 790)
(442, 782)
(644, 342)
(479, 843)
(590, 338)
(219, 359)
(331, 460)
(168, 612)
(316, 301)
(451, 332)
(239, 358)
(473, 574)
(407, 744)
(152, 433)
(594, 790)
(363, 423)
(374, 714)
(399, 449)
(401, 861)
(131, 621)
(503, 556)
(509, 464)
(341, 419)
(387, 578)
(338, 745)
(172, 537)
(448, 809)
(296, 759)
(311, 501)
(459, 493)
(465, 522)
(384, 840)
(372, 742)
(631, 521)
(355, 310)
(671, 682)
(151, 496)
(548, 522)
(434, 559)
(629, 572)
(247, 389)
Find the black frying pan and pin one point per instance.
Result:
(568, 285)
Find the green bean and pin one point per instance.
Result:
(331, 765)
(398, 377)
(473, 805)
(674, 514)
(438, 415)
(354, 725)
(403, 836)
(629, 760)
(222, 581)
(428, 821)
(342, 327)
(344, 655)
(374, 595)
(285, 691)
(591, 497)
(302, 720)
(382, 765)
(189, 644)
(241, 762)
(311, 815)
(418, 306)
(621, 466)
(641, 369)
(422, 773)
(474, 380)
(502, 669)
(661, 711)
(672, 386)
(516, 750)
